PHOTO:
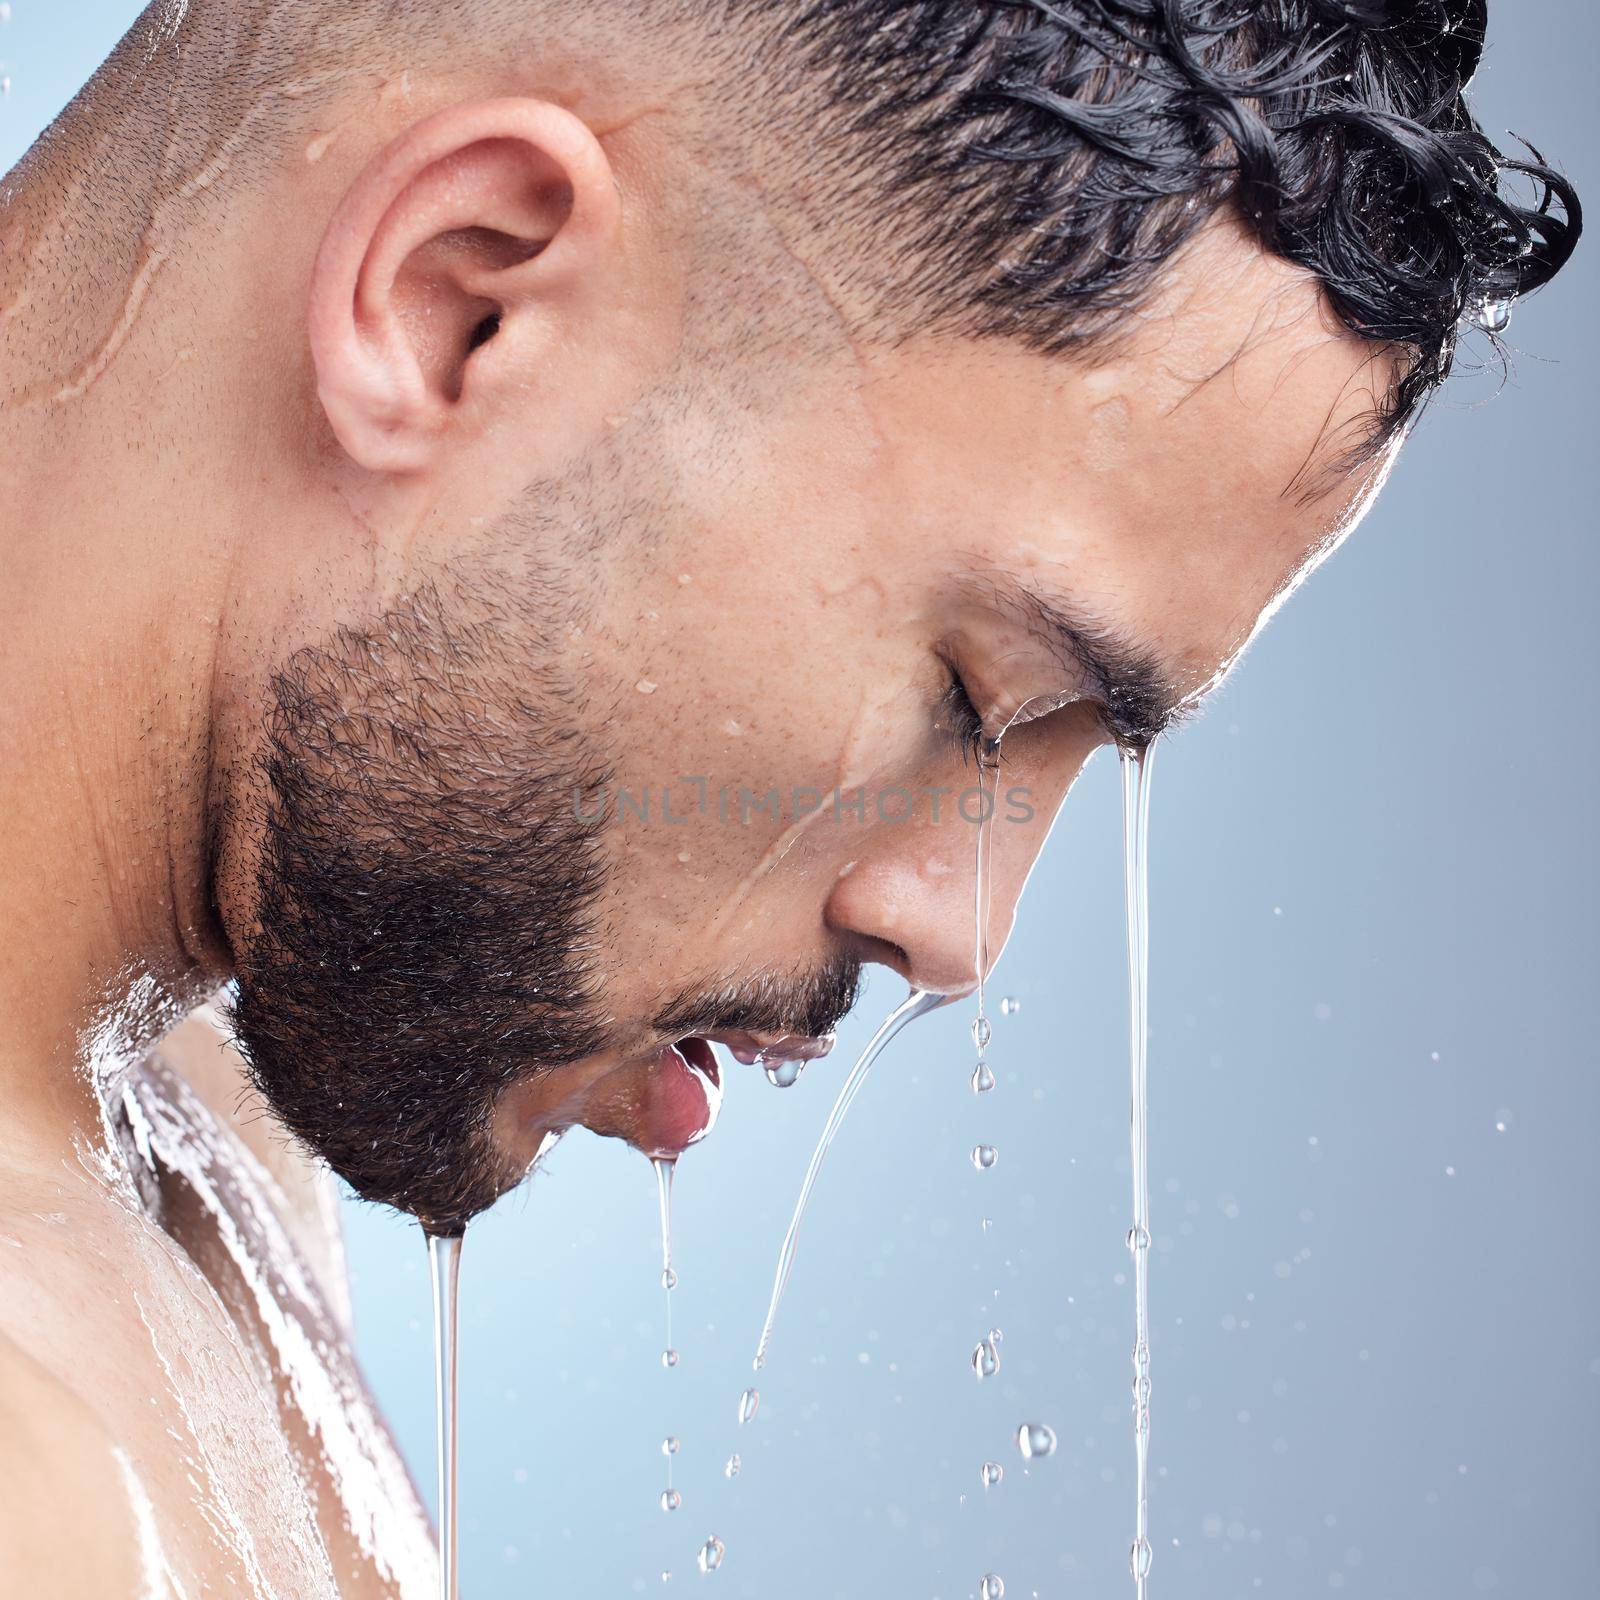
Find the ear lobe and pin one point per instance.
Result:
(459, 230)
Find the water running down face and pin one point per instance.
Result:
(590, 786)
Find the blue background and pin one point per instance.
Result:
(1376, 1342)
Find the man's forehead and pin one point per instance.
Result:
(1250, 347)
(1235, 379)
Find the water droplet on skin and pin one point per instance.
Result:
(992, 1473)
(669, 1358)
(669, 1278)
(733, 1467)
(1010, 1006)
(749, 1404)
(669, 1445)
(991, 1588)
(982, 1078)
(1139, 1558)
(982, 1032)
(783, 1074)
(670, 1499)
(984, 1156)
(1036, 1440)
(711, 1554)
(985, 1360)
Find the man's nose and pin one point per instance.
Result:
(911, 896)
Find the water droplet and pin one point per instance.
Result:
(985, 1360)
(991, 1588)
(1036, 1440)
(669, 1445)
(670, 1499)
(733, 1467)
(1494, 316)
(783, 1074)
(1139, 1558)
(1138, 1238)
(982, 1031)
(669, 1358)
(984, 1156)
(749, 1404)
(711, 1554)
(669, 1278)
(992, 1473)
(1010, 1006)
(982, 1078)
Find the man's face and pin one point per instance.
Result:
(671, 750)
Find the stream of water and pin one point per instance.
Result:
(1136, 839)
(444, 1260)
(916, 1004)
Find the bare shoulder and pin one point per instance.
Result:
(70, 1505)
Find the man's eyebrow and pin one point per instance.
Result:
(1137, 695)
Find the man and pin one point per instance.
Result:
(533, 533)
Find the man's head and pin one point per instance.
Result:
(669, 442)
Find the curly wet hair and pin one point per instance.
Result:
(1029, 166)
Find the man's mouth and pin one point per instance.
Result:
(685, 1093)
(755, 1049)
(661, 1100)
(699, 1054)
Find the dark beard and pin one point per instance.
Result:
(427, 905)
(426, 899)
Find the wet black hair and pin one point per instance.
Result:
(1031, 165)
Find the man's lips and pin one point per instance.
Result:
(699, 1054)
(681, 1100)
(753, 1048)
(685, 1090)
(661, 1100)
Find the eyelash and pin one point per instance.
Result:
(963, 721)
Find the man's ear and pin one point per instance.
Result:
(452, 262)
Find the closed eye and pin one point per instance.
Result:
(962, 722)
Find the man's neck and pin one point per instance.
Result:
(106, 672)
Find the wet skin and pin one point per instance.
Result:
(1168, 499)
(780, 545)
